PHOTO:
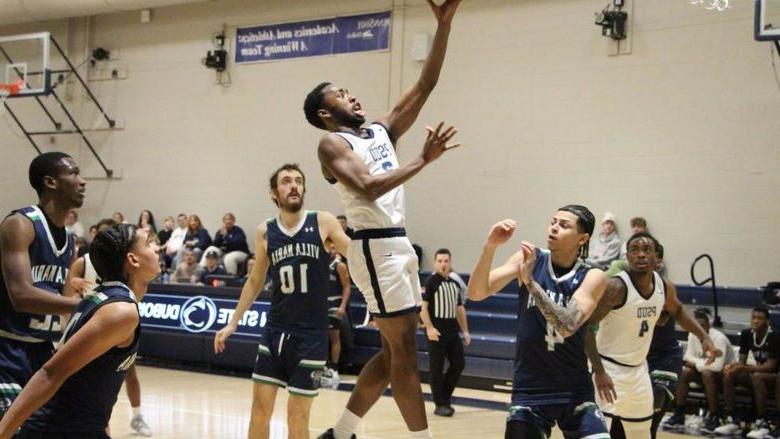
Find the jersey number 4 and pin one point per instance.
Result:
(552, 338)
(287, 279)
(644, 328)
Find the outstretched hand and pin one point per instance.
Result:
(436, 142)
(501, 232)
(445, 11)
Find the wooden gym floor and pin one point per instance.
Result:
(178, 404)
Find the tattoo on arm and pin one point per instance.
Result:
(565, 319)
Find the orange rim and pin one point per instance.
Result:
(13, 88)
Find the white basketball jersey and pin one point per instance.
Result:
(377, 152)
(626, 332)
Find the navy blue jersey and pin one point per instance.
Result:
(49, 269)
(85, 400)
(299, 271)
(549, 369)
(664, 339)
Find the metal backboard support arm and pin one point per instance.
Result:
(111, 122)
(109, 172)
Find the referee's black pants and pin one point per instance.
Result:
(443, 384)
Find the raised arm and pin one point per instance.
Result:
(252, 288)
(565, 319)
(485, 282)
(113, 325)
(16, 236)
(685, 319)
(340, 162)
(405, 112)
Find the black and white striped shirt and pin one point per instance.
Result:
(443, 297)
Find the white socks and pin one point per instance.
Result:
(349, 422)
(136, 411)
(346, 425)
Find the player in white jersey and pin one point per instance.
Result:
(362, 163)
(626, 317)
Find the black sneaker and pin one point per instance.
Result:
(444, 410)
(328, 434)
(676, 422)
(711, 422)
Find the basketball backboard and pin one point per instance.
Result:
(767, 20)
(26, 58)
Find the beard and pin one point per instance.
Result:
(350, 120)
(291, 206)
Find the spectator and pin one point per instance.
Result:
(118, 218)
(146, 221)
(345, 226)
(197, 238)
(606, 247)
(165, 234)
(80, 245)
(442, 313)
(695, 370)
(250, 263)
(93, 231)
(175, 243)
(212, 268)
(230, 244)
(188, 271)
(638, 225)
(759, 350)
(72, 224)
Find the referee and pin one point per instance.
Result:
(442, 313)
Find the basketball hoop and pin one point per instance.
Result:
(7, 90)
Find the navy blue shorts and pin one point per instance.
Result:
(665, 368)
(30, 434)
(19, 360)
(576, 420)
(292, 360)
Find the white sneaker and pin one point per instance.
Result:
(730, 427)
(329, 379)
(139, 426)
(760, 429)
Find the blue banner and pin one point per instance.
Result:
(356, 33)
(186, 313)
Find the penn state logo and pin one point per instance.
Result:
(198, 314)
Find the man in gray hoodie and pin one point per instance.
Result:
(606, 247)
